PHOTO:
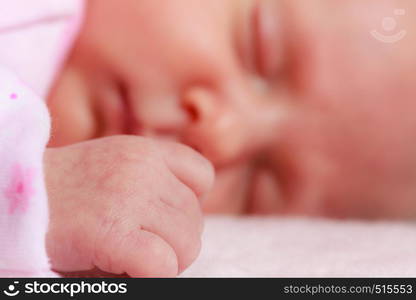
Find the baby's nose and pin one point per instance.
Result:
(225, 131)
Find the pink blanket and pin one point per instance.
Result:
(34, 37)
(298, 247)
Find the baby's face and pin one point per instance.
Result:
(298, 107)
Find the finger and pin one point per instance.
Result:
(140, 253)
(177, 218)
(64, 257)
(185, 241)
(189, 167)
(174, 213)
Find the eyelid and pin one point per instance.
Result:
(267, 41)
(246, 37)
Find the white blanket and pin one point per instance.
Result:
(296, 247)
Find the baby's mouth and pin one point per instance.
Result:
(115, 113)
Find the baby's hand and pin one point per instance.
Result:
(125, 204)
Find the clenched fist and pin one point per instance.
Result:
(125, 204)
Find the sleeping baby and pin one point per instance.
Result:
(294, 106)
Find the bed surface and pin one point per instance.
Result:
(301, 247)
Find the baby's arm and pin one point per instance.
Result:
(125, 204)
(24, 132)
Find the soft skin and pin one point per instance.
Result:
(327, 108)
(125, 205)
(300, 110)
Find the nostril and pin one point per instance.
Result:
(192, 112)
(199, 103)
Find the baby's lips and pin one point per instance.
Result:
(189, 166)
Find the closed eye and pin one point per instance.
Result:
(266, 38)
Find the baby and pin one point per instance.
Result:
(294, 103)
